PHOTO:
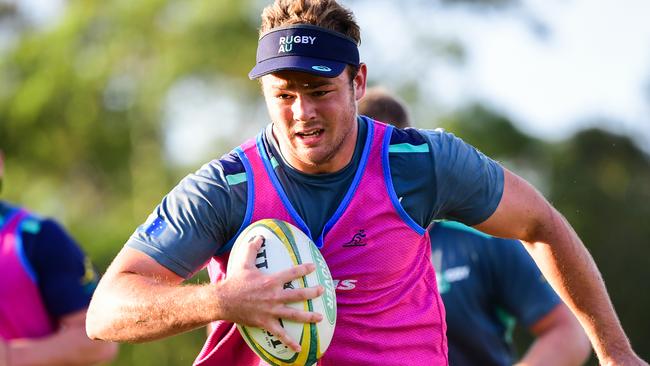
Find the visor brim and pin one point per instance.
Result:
(315, 66)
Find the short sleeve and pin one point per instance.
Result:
(65, 275)
(469, 184)
(197, 218)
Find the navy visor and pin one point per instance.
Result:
(306, 48)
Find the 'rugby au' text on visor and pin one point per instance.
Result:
(286, 43)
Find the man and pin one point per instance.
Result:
(488, 283)
(320, 167)
(45, 285)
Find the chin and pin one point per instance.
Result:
(314, 159)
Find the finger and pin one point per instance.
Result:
(277, 330)
(299, 316)
(301, 294)
(296, 272)
(250, 250)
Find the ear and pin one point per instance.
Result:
(359, 82)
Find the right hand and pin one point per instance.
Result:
(253, 298)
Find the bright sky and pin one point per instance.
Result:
(593, 61)
(40, 11)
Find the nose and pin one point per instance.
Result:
(303, 109)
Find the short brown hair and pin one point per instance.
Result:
(327, 14)
(381, 105)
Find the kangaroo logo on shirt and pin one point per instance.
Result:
(358, 240)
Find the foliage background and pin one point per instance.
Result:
(85, 126)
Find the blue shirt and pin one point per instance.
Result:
(486, 284)
(435, 174)
(64, 275)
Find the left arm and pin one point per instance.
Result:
(69, 346)
(559, 340)
(523, 213)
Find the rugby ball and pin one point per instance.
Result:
(285, 246)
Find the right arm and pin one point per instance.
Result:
(140, 300)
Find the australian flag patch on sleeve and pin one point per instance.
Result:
(156, 227)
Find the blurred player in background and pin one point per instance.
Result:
(488, 284)
(46, 283)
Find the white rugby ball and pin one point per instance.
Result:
(286, 246)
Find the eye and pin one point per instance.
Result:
(320, 93)
(284, 96)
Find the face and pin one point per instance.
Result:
(314, 118)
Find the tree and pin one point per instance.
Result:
(80, 117)
(601, 182)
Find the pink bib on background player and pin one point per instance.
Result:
(22, 313)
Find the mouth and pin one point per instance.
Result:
(310, 133)
(310, 137)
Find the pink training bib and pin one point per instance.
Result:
(22, 313)
(389, 309)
